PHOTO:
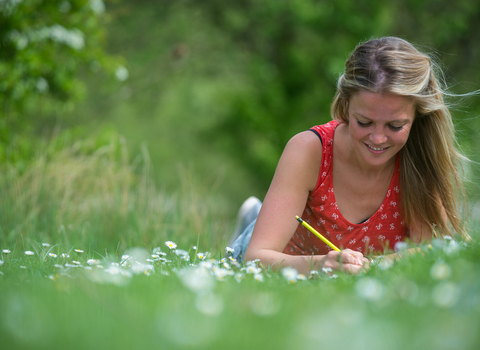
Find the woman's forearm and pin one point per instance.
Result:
(276, 260)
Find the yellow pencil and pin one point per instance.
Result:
(316, 233)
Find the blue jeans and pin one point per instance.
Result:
(247, 216)
(240, 245)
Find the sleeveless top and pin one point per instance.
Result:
(381, 231)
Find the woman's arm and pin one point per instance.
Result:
(296, 175)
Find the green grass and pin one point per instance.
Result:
(429, 300)
(95, 204)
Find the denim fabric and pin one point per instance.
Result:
(240, 245)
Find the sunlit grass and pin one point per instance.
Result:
(94, 194)
(141, 298)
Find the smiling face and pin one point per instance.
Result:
(379, 125)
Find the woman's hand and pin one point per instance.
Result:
(347, 260)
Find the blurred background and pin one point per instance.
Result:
(209, 91)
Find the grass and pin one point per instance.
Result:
(106, 279)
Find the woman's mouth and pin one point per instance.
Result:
(376, 149)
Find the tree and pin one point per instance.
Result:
(45, 45)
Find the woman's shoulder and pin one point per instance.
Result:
(305, 143)
(302, 158)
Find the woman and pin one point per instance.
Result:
(382, 171)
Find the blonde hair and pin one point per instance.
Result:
(429, 177)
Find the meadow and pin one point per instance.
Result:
(93, 255)
(116, 209)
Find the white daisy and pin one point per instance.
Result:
(29, 252)
(78, 250)
(258, 277)
(52, 255)
(290, 274)
(6, 251)
(239, 277)
(46, 245)
(229, 250)
(170, 244)
(252, 269)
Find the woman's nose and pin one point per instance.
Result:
(378, 137)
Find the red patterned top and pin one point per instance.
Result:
(382, 230)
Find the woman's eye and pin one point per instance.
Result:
(396, 128)
(364, 125)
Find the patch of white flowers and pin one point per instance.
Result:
(199, 272)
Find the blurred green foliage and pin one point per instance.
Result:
(45, 49)
(218, 88)
(222, 86)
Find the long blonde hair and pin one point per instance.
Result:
(429, 177)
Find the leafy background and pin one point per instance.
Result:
(208, 93)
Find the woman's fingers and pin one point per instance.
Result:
(346, 260)
(352, 268)
(351, 257)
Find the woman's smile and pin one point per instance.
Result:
(379, 126)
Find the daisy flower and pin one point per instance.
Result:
(201, 256)
(170, 244)
(258, 277)
(78, 250)
(290, 274)
(252, 269)
(221, 273)
(46, 245)
(52, 255)
(229, 250)
(6, 251)
(29, 252)
(239, 277)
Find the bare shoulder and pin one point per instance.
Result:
(302, 158)
(306, 143)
